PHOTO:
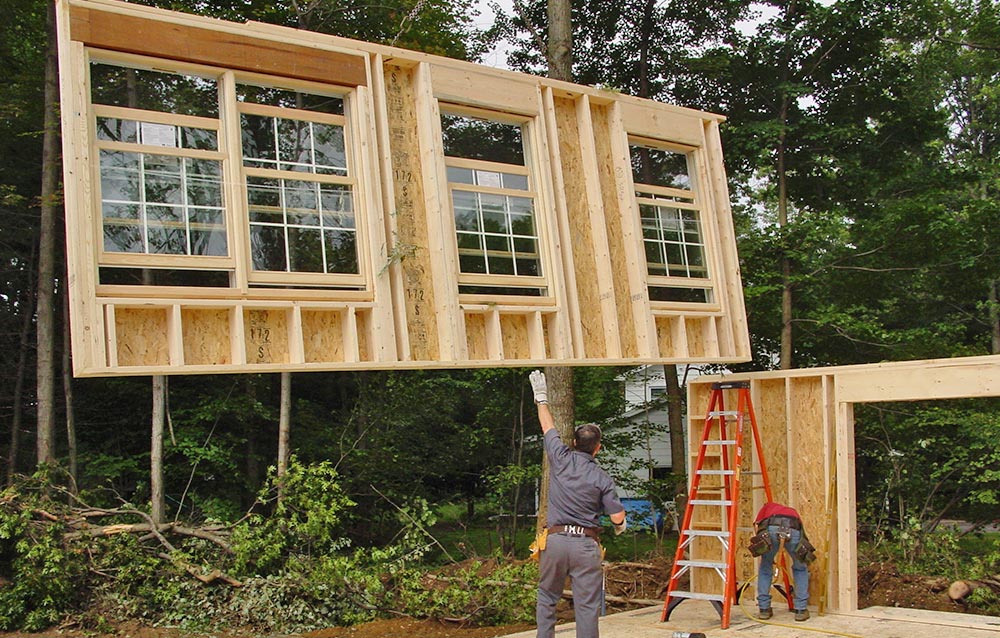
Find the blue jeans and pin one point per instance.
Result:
(800, 573)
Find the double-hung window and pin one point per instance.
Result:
(300, 187)
(670, 212)
(494, 202)
(157, 137)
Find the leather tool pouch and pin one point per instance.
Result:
(805, 551)
(760, 542)
(538, 545)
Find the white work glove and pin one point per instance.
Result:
(537, 379)
(621, 528)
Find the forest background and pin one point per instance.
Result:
(862, 151)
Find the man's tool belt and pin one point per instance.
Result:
(781, 521)
(760, 543)
(577, 530)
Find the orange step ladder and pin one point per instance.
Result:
(720, 501)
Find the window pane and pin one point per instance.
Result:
(267, 247)
(659, 167)
(294, 145)
(329, 150)
(528, 268)
(501, 265)
(474, 138)
(520, 182)
(271, 96)
(460, 175)
(472, 263)
(208, 242)
(341, 251)
(305, 250)
(259, 145)
(116, 130)
(153, 90)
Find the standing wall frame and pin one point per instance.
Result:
(806, 422)
(189, 238)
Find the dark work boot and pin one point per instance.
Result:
(801, 614)
(765, 614)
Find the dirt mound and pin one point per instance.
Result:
(881, 584)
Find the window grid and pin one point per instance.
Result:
(502, 188)
(671, 222)
(673, 240)
(273, 162)
(184, 208)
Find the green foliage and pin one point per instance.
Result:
(306, 521)
(482, 593)
(42, 573)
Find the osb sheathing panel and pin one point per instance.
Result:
(206, 336)
(324, 340)
(515, 336)
(581, 228)
(578, 160)
(475, 335)
(266, 335)
(410, 243)
(616, 244)
(142, 336)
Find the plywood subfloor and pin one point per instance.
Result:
(873, 622)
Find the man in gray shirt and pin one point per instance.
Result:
(579, 492)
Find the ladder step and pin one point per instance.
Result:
(717, 472)
(715, 413)
(706, 532)
(705, 502)
(719, 442)
(703, 563)
(696, 595)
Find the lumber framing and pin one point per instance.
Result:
(806, 422)
(410, 300)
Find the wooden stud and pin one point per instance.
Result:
(175, 336)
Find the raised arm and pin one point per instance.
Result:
(540, 390)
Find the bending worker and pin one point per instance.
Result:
(776, 523)
(579, 491)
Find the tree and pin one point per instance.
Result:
(47, 256)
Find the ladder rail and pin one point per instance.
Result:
(730, 446)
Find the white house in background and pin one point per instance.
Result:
(652, 456)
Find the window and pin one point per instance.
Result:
(164, 158)
(157, 138)
(300, 191)
(494, 202)
(672, 233)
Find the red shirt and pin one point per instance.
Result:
(775, 509)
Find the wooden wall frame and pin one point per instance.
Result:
(806, 421)
(402, 306)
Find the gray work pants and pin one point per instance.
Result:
(578, 557)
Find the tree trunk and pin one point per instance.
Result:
(27, 306)
(785, 361)
(158, 508)
(47, 253)
(68, 396)
(994, 315)
(559, 379)
(284, 426)
(560, 47)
